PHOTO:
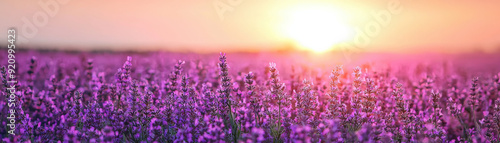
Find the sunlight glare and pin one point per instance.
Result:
(317, 28)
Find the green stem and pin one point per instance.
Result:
(257, 119)
(478, 128)
(464, 126)
(278, 134)
(235, 128)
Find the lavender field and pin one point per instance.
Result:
(172, 97)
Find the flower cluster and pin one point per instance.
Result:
(150, 98)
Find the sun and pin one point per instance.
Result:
(317, 28)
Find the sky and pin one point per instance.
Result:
(251, 25)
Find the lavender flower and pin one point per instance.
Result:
(225, 96)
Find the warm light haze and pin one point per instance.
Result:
(257, 25)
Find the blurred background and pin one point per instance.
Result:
(206, 26)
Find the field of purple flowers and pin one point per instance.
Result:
(165, 97)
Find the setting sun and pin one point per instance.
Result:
(316, 28)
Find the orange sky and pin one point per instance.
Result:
(194, 25)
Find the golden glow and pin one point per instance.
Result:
(317, 28)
